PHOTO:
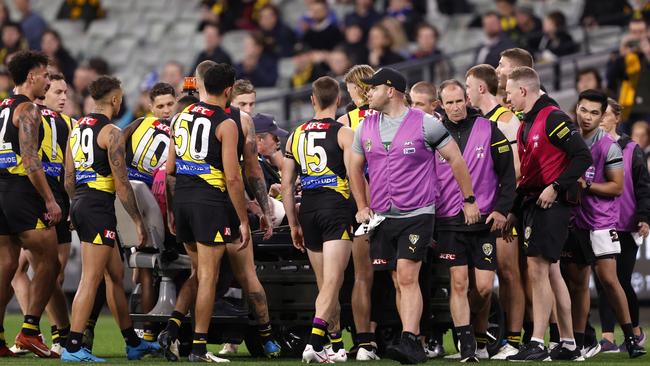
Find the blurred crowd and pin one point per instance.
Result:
(324, 42)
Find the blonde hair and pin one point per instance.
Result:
(355, 75)
(395, 29)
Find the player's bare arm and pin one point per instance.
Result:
(227, 133)
(29, 120)
(113, 140)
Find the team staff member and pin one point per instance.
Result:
(399, 142)
(482, 86)
(634, 213)
(510, 59)
(54, 130)
(424, 97)
(593, 239)
(466, 248)
(206, 163)
(363, 272)
(27, 205)
(553, 157)
(95, 171)
(318, 152)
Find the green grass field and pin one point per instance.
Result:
(109, 344)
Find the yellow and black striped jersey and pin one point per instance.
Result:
(316, 150)
(55, 130)
(199, 165)
(357, 115)
(146, 149)
(92, 167)
(11, 164)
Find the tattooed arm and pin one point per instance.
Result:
(114, 143)
(254, 175)
(29, 121)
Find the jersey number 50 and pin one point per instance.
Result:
(185, 140)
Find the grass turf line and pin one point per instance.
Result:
(109, 344)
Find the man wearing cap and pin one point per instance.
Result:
(399, 145)
(268, 136)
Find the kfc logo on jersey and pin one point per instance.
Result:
(161, 126)
(87, 121)
(109, 234)
(201, 110)
(7, 102)
(316, 126)
(48, 112)
(447, 256)
(379, 261)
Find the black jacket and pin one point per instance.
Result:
(503, 165)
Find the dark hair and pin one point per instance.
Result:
(99, 65)
(257, 37)
(451, 82)
(161, 89)
(185, 101)
(519, 55)
(558, 18)
(11, 24)
(490, 13)
(56, 76)
(590, 70)
(425, 25)
(594, 96)
(23, 62)
(326, 91)
(103, 86)
(54, 33)
(487, 74)
(218, 78)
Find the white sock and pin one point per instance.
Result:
(568, 343)
(538, 340)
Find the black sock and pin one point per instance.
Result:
(481, 340)
(408, 336)
(318, 334)
(465, 335)
(514, 338)
(56, 339)
(200, 344)
(174, 324)
(130, 337)
(528, 332)
(337, 341)
(2, 336)
(90, 324)
(265, 331)
(364, 340)
(30, 325)
(74, 342)
(63, 334)
(554, 333)
(580, 339)
(628, 332)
